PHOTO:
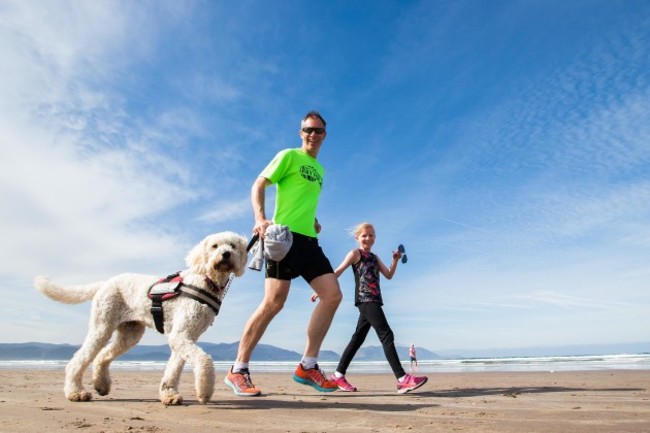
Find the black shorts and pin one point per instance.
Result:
(304, 259)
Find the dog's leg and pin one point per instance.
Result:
(97, 337)
(168, 392)
(201, 362)
(203, 375)
(127, 335)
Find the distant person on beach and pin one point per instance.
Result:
(367, 298)
(413, 356)
(299, 179)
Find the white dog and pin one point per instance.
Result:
(121, 305)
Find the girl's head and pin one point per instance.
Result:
(364, 234)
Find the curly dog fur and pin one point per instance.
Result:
(120, 305)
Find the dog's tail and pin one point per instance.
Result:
(67, 294)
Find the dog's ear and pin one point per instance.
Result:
(197, 258)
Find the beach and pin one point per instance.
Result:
(573, 401)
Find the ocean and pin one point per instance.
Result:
(546, 364)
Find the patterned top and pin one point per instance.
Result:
(366, 278)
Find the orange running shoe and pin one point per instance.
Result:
(315, 378)
(241, 383)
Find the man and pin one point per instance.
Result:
(298, 177)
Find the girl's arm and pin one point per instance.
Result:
(352, 257)
(389, 272)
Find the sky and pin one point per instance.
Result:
(506, 144)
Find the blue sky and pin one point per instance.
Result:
(506, 144)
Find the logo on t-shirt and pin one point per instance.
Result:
(308, 172)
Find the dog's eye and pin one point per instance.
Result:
(215, 246)
(232, 246)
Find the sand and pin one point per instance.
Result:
(594, 401)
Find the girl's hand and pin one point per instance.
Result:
(397, 255)
(313, 297)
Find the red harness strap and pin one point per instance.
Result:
(172, 286)
(163, 290)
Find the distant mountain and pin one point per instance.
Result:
(219, 352)
(266, 352)
(37, 351)
(376, 353)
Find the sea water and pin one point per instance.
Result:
(548, 363)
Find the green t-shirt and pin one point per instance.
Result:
(299, 180)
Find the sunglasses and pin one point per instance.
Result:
(309, 130)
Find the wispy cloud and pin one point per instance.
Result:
(562, 300)
(78, 172)
(226, 211)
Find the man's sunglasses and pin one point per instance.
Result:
(308, 130)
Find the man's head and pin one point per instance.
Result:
(315, 115)
(312, 132)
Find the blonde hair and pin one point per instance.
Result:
(356, 230)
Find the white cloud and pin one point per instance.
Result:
(227, 211)
(79, 182)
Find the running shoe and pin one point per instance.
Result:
(241, 383)
(315, 378)
(343, 384)
(410, 383)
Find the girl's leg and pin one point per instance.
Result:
(375, 315)
(359, 336)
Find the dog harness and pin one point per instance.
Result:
(172, 286)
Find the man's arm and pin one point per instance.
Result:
(258, 200)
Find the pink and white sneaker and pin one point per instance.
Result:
(410, 382)
(343, 384)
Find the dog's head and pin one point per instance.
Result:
(219, 254)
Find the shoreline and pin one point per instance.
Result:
(572, 401)
(459, 365)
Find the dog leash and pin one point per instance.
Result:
(232, 275)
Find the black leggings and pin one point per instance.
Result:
(371, 314)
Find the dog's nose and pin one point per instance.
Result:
(226, 255)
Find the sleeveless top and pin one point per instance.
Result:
(366, 279)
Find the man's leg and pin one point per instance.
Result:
(275, 294)
(307, 373)
(328, 291)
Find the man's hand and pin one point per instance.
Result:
(260, 227)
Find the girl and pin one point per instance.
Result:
(367, 267)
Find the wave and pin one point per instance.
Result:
(550, 363)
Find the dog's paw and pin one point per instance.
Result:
(102, 385)
(80, 396)
(204, 400)
(103, 391)
(171, 400)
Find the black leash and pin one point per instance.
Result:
(232, 276)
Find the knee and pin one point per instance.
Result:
(272, 305)
(332, 297)
(387, 336)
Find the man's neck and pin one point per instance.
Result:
(313, 154)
